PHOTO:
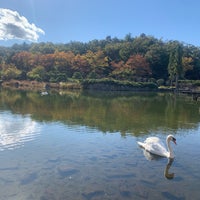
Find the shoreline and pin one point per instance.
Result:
(43, 86)
(38, 86)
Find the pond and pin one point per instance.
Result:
(83, 146)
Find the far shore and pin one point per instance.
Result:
(38, 86)
(43, 86)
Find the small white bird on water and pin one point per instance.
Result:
(155, 146)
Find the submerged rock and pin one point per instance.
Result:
(65, 171)
(93, 194)
(29, 178)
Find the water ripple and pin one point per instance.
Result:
(16, 130)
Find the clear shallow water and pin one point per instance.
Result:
(69, 157)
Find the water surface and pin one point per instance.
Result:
(84, 146)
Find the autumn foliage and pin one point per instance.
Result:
(139, 59)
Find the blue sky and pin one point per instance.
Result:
(62, 21)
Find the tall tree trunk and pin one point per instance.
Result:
(176, 84)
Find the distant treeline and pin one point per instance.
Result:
(136, 59)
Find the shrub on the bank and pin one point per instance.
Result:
(160, 82)
(115, 83)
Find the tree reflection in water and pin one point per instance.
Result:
(132, 113)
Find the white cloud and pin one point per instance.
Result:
(14, 26)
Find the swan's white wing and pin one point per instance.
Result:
(153, 140)
(157, 148)
(149, 140)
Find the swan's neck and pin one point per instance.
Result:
(171, 153)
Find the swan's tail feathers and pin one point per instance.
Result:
(141, 144)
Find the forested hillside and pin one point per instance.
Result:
(137, 59)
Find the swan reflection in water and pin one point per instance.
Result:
(166, 172)
(15, 130)
(149, 156)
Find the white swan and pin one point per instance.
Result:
(155, 146)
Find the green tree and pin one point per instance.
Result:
(77, 75)
(44, 48)
(158, 58)
(38, 74)
(98, 63)
(193, 52)
(112, 51)
(128, 37)
(175, 68)
(142, 44)
(9, 72)
(126, 50)
(187, 63)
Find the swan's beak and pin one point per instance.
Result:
(174, 140)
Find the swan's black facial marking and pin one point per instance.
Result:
(174, 140)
